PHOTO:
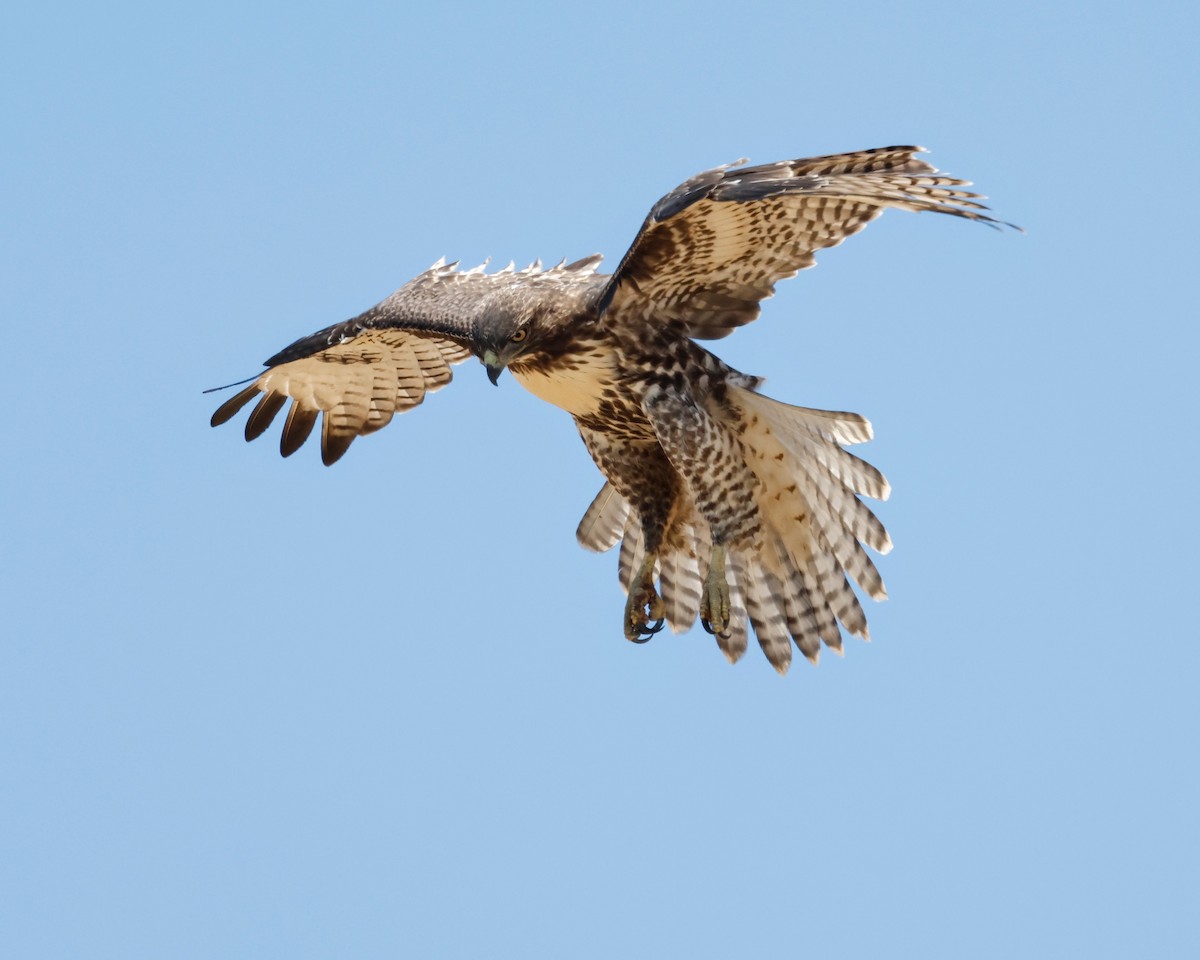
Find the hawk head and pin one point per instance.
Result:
(530, 325)
(504, 334)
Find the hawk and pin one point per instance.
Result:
(729, 507)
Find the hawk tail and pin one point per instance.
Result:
(792, 584)
(814, 525)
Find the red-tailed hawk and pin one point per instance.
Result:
(728, 506)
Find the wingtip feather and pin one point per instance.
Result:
(226, 411)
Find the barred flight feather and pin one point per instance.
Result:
(764, 596)
(601, 526)
(632, 552)
(733, 642)
(684, 567)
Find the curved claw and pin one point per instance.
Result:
(644, 612)
(708, 628)
(647, 630)
(642, 632)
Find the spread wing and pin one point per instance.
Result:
(360, 373)
(715, 247)
(358, 384)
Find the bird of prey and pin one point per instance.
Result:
(729, 506)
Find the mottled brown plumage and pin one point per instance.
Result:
(729, 506)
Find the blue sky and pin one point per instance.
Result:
(255, 707)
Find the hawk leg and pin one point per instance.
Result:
(644, 610)
(640, 472)
(714, 601)
(700, 438)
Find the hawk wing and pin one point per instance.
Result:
(712, 249)
(358, 384)
(360, 373)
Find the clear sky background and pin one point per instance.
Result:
(259, 708)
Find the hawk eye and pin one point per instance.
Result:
(520, 335)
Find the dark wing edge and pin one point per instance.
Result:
(714, 247)
(358, 374)
(356, 385)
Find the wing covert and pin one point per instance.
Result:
(356, 385)
(712, 249)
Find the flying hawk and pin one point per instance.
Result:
(743, 509)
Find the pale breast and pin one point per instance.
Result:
(574, 383)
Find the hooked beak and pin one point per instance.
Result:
(494, 366)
